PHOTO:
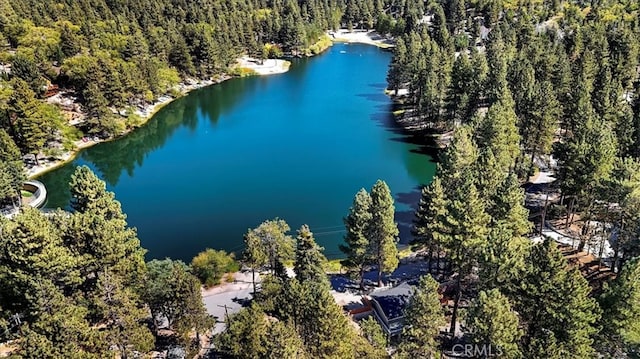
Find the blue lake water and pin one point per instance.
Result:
(297, 146)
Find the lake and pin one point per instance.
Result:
(297, 146)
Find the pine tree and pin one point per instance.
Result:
(430, 215)
(493, 323)
(502, 261)
(555, 306)
(268, 244)
(383, 230)
(89, 194)
(498, 131)
(31, 252)
(246, 334)
(309, 262)
(459, 98)
(173, 293)
(586, 161)
(282, 341)
(357, 245)
(372, 331)
(60, 329)
(620, 302)
(423, 318)
(490, 176)
(466, 234)
(320, 322)
(509, 207)
(12, 168)
(123, 315)
(396, 76)
(458, 158)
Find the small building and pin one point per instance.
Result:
(388, 307)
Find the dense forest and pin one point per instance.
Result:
(111, 58)
(516, 87)
(521, 87)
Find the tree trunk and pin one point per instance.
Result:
(437, 260)
(616, 248)
(456, 302)
(531, 167)
(569, 212)
(544, 210)
(253, 280)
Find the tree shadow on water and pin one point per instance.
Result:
(375, 96)
(405, 218)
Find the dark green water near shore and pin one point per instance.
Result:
(297, 146)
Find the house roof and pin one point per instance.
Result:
(394, 300)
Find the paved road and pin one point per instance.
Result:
(231, 295)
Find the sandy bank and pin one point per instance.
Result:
(369, 37)
(266, 67)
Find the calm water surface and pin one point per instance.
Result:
(296, 146)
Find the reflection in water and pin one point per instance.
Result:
(110, 160)
(296, 146)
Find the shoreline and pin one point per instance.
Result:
(146, 114)
(269, 67)
(368, 37)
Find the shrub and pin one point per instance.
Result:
(211, 265)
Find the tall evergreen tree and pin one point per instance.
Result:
(555, 307)
(309, 260)
(357, 245)
(494, 324)
(430, 216)
(383, 230)
(122, 313)
(620, 302)
(423, 317)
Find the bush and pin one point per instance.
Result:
(242, 72)
(272, 51)
(211, 265)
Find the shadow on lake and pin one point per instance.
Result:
(123, 155)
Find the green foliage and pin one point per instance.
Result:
(430, 215)
(383, 230)
(356, 246)
(620, 302)
(173, 293)
(251, 335)
(323, 43)
(309, 261)
(423, 317)
(12, 173)
(210, 265)
(120, 309)
(554, 305)
(268, 244)
(372, 331)
(493, 323)
(110, 243)
(68, 274)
